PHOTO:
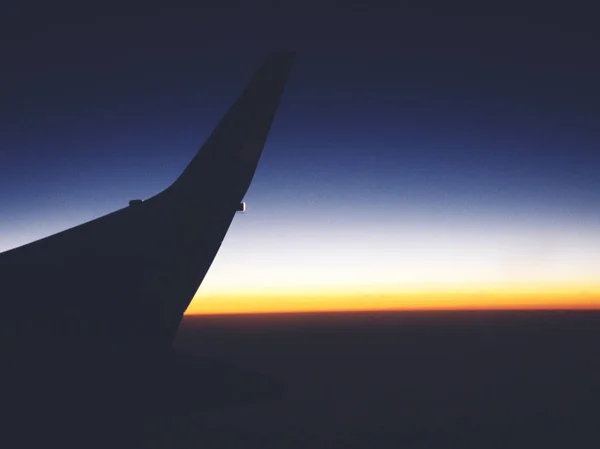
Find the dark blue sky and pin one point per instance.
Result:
(398, 128)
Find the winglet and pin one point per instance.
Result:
(235, 145)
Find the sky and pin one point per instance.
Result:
(421, 157)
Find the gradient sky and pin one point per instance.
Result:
(416, 153)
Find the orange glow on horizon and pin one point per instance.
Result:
(331, 301)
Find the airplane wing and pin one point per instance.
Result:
(124, 280)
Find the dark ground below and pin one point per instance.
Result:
(403, 379)
(350, 380)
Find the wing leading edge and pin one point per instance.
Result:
(124, 280)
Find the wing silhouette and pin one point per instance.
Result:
(114, 290)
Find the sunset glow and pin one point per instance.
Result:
(329, 301)
(411, 262)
